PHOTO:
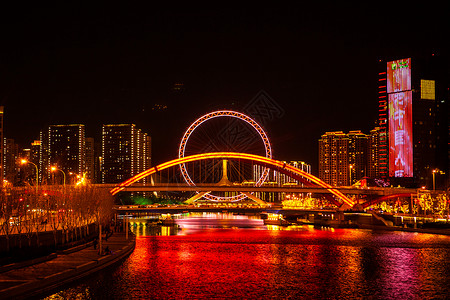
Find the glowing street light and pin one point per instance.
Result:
(351, 169)
(80, 179)
(24, 161)
(434, 177)
(73, 177)
(54, 168)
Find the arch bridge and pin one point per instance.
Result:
(337, 196)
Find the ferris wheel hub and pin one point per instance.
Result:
(224, 180)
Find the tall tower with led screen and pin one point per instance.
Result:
(395, 120)
(400, 118)
(411, 114)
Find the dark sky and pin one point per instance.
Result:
(113, 64)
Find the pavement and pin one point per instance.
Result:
(37, 277)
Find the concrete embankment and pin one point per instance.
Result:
(28, 280)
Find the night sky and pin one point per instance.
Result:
(119, 64)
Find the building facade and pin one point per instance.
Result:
(358, 151)
(374, 157)
(276, 178)
(62, 147)
(90, 160)
(10, 161)
(334, 165)
(279, 178)
(126, 151)
(344, 157)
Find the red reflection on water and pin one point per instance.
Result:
(244, 263)
(283, 264)
(197, 265)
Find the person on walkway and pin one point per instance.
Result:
(109, 232)
(95, 243)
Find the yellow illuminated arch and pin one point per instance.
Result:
(232, 155)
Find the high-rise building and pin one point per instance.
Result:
(10, 159)
(143, 151)
(97, 162)
(126, 151)
(43, 156)
(334, 165)
(90, 160)
(34, 151)
(413, 113)
(280, 178)
(28, 173)
(62, 146)
(357, 155)
(276, 178)
(343, 158)
(373, 158)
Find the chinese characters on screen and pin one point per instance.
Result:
(400, 134)
(400, 118)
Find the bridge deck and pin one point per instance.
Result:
(286, 189)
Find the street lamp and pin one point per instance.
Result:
(24, 161)
(54, 168)
(72, 177)
(351, 168)
(80, 179)
(434, 177)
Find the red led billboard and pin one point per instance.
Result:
(399, 75)
(400, 135)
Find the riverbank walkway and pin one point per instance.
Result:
(40, 276)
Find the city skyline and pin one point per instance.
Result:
(262, 151)
(163, 70)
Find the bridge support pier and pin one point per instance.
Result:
(195, 197)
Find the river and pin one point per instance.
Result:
(221, 256)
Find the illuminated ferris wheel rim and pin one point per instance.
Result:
(224, 113)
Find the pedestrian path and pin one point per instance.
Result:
(63, 268)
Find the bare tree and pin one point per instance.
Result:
(67, 210)
(9, 206)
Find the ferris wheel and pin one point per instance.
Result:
(219, 131)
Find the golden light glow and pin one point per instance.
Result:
(232, 155)
(81, 180)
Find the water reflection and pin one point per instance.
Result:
(205, 256)
(185, 223)
(154, 230)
